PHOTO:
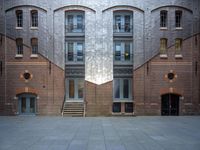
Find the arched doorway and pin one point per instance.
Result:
(170, 105)
(27, 104)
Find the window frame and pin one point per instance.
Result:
(19, 46)
(178, 45)
(179, 24)
(34, 19)
(163, 47)
(19, 21)
(163, 19)
(33, 45)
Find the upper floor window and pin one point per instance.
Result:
(19, 44)
(34, 45)
(19, 17)
(178, 18)
(178, 45)
(122, 51)
(75, 87)
(163, 45)
(74, 51)
(122, 88)
(34, 18)
(163, 18)
(122, 22)
(74, 21)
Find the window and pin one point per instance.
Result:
(163, 46)
(75, 88)
(178, 45)
(1, 68)
(178, 17)
(19, 44)
(128, 107)
(122, 22)
(122, 88)
(19, 17)
(122, 51)
(163, 18)
(34, 18)
(74, 21)
(116, 107)
(34, 45)
(74, 51)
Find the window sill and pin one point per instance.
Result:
(34, 56)
(34, 28)
(163, 28)
(179, 28)
(18, 56)
(18, 28)
(164, 56)
(178, 56)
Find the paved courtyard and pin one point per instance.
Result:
(99, 133)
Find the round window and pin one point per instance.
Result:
(27, 76)
(170, 76)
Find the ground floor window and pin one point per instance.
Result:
(116, 107)
(128, 107)
(75, 88)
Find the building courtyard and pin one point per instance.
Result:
(100, 133)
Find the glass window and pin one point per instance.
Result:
(178, 17)
(79, 49)
(128, 107)
(116, 107)
(127, 51)
(80, 88)
(79, 21)
(32, 105)
(70, 22)
(34, 18)
(71, 88)
(117, 88)
(70, 51)
(118, 51)
(34, 45)
(19, 44)
(178, 45)
(126, 88)
(163, 19)
(122, 51)
(163, 46)
(127, 23)
(19, 15)
(23, 104)
(74, 51)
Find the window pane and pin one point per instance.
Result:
(19, 44)
(117, 88)
(126, 88)
(116, 107)
(79, 49)
(178, 18)
(34, 45)
(19, 15)
(32, 105)
(127, 51)
(23, 104)
(127, 23)
(34, 15)
(128, 107)
(163, 19)
(70, 22)
(71, 88)
(80, 88)
(163, 45)
(70, 51)
(118, 51)
(79, 22)
(118, 23)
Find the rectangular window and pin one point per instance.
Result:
(178, 46)
(122, 51)
(74, 51)
(163, 46)
(116, 107)
(178, 17)
(1, 68)
(163, 19)
(128, 107)
(19, 44)
(34, 18)
(34, 45)
(75, 88)
(19, 17)
(122, 88)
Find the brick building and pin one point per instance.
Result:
(99, 58)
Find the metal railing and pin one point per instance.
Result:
(122, 28)
(63, 105)
(74, 28)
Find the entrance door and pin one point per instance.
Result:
(27, 104)
(170, 105)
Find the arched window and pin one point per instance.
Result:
(34, 45)
(163, 18)
(19, 18)
(34, 18)
(19, 45)
(163, 46)
(178, 18)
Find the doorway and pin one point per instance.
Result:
(170, 105)
(27, 104)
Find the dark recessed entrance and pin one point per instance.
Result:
(170, 105)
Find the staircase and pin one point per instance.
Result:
(73, 109)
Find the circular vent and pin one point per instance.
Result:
(170, 76)
(27, 76)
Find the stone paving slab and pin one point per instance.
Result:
(100, 133)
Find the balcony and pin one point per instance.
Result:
(75, 30)
(123, 30)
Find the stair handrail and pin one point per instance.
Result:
(63, 104)
(84, 108)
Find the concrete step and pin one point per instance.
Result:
(73, 109)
